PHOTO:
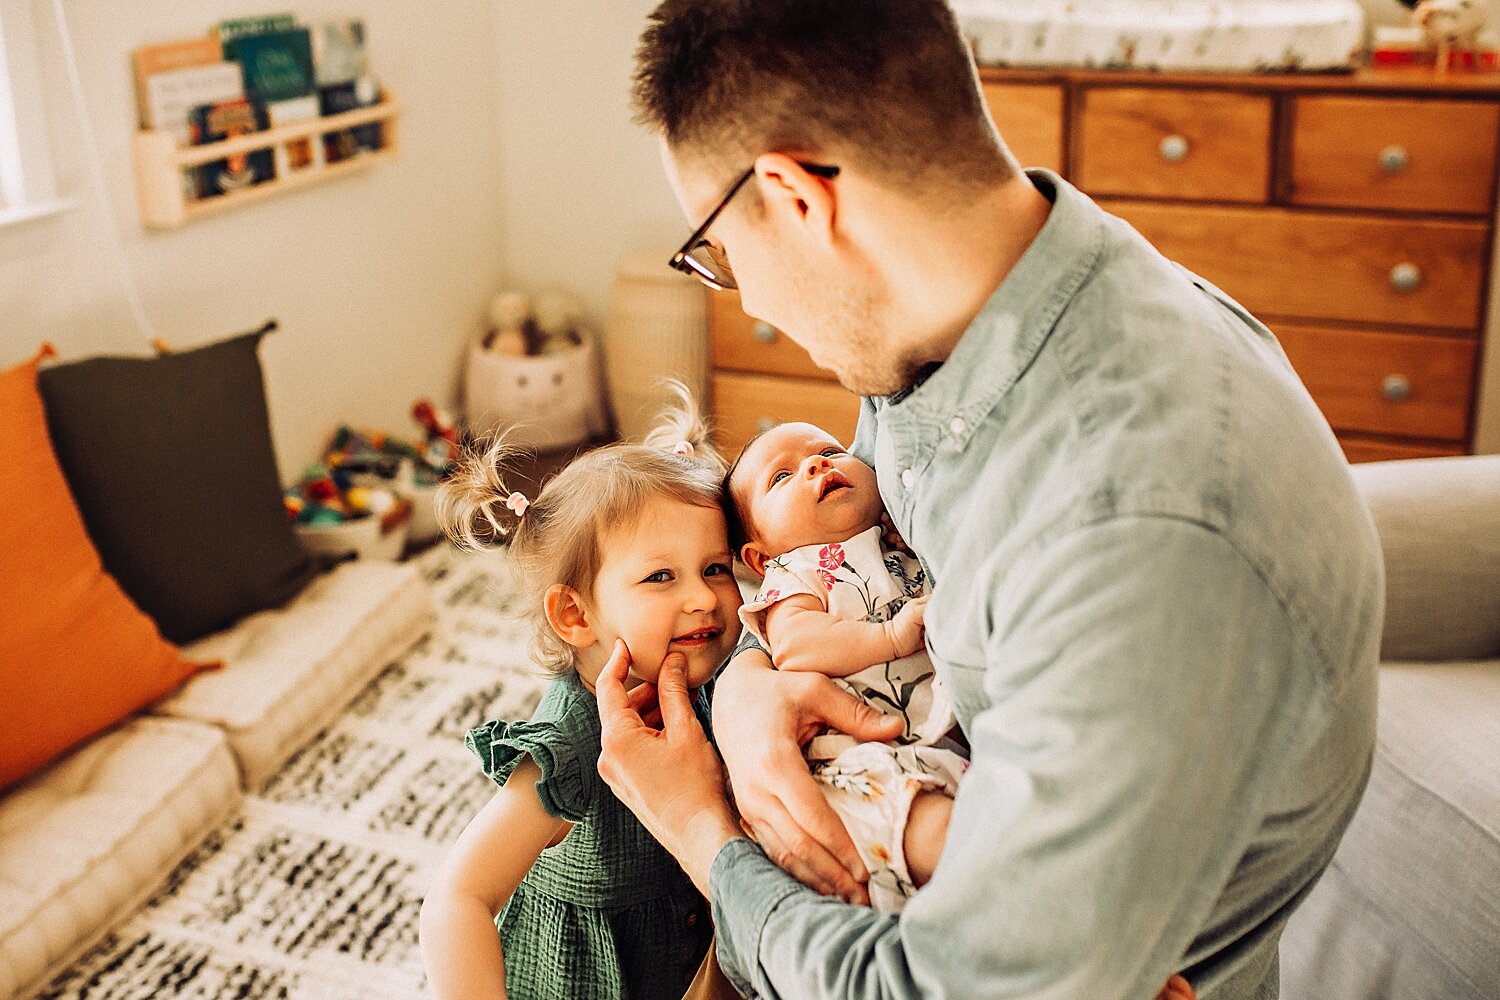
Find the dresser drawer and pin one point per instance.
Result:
(1167, 143)
(1412, 155)
(1325, 266)
(1030, 119)
(746, 405)
(1385, 383)
(750, 345)
(1357, 449)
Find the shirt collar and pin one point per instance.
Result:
(1005, 337)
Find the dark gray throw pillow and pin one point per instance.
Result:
(171, 462)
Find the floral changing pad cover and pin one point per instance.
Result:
(1195, 35)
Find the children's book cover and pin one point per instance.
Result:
(230, 120)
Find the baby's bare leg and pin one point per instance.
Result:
(926, 832)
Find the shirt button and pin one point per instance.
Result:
(907, 478)
(957, 426)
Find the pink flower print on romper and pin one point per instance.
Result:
(831, 556)
(827, 578)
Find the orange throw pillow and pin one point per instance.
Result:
(76, 656)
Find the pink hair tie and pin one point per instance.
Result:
(518, 503)
(684, 448)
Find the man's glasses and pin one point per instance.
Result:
(707, 261)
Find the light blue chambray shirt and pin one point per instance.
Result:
(1157, 606)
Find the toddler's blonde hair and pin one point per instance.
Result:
(558, 539)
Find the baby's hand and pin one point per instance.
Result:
(905, 630)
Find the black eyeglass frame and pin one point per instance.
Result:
(683, 261)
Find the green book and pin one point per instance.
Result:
(278, 66)
(228, 31)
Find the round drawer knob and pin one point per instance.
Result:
(764, 332)
(1174, 149)
(764, 424)
(1394, 159)
(1396, 388)
(1406, 277)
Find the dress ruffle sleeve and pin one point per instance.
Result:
(569, 777)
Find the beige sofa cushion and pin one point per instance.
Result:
(288, 671)
(91, 836)
(1439, 524)
(1408, 909)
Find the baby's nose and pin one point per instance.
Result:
(815, 464)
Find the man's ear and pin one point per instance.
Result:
(567, 616)
(786, 185)
(755, 558)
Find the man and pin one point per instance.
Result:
(1157, 599)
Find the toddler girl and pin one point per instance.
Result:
(806, 516)
(626, 544)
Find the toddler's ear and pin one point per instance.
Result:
(755, 558)
(566, 615)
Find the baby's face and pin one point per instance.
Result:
(795, 485)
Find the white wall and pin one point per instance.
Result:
(376, 278)
(581, 185)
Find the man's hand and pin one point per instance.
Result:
(670, 778)
(905, 630)
(762, 717)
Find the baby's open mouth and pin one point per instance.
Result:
(832, 482)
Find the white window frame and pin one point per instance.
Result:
(28, 189)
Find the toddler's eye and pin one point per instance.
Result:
(660, 576)
(778, 477)
(716, 569)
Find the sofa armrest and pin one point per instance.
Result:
(1439, 525)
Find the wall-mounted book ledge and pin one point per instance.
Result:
(178, 183)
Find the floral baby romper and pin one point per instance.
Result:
(871, 785)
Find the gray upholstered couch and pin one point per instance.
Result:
(1410, 908)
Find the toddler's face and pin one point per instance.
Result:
(795, 485)
(665, 586)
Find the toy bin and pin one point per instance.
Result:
(540, 401)
(363, 538)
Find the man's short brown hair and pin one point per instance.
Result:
(888, 84)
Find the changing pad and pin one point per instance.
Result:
(1195, 35)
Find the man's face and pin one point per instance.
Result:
(815, 286)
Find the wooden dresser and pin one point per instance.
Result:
(1353, 214)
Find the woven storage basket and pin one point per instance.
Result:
(657, 329)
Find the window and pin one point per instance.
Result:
(27, 188)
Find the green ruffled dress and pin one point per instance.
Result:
(607, 914)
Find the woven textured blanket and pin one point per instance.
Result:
(313, 890)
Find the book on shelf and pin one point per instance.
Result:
(278, 65)
(340, 97)
(171, 96)
(296, 155)
(228, 120)
(339, 51)
(164, 57)
(226, 32)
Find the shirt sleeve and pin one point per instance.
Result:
(1142, 687)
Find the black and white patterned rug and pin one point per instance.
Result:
(313, 891)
